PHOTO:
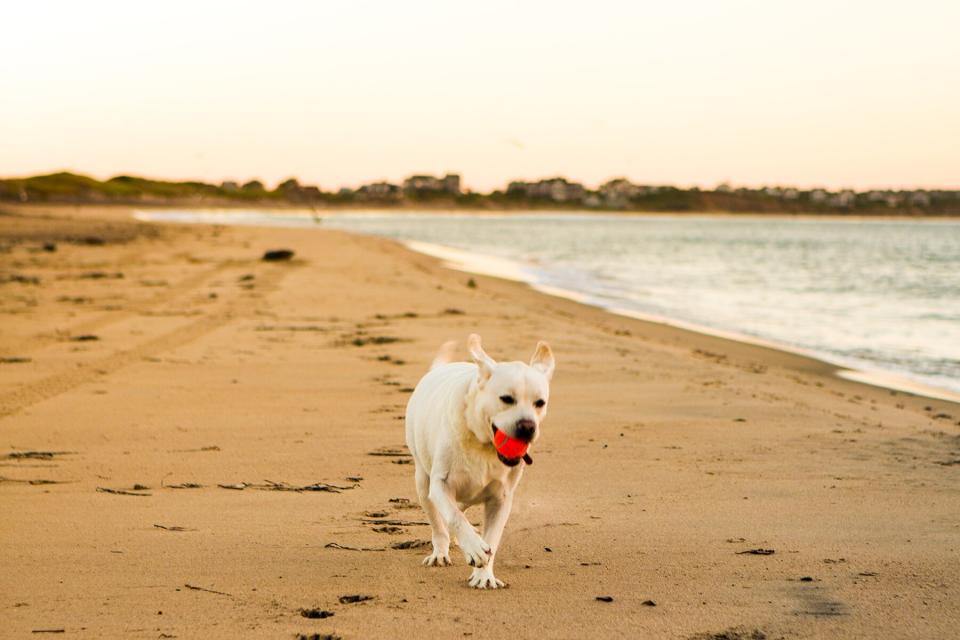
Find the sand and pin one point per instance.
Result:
(162, 357)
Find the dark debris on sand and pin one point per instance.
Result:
(735, 633)
(37, 455)
(410, 544)
(270, 485)
(136, 490)
(277, 255)
(390, 452)
(337, 545)
(35, 482)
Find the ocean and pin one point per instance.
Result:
(879, 296)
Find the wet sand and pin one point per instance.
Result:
(166, 357)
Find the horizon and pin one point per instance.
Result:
(692, 95)
(272, 186)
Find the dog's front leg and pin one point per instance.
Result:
(475, 550)
(496, 511)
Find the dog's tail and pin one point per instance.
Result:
(446, 354)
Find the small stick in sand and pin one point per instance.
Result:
(122, 492)
(335, 545)
(172, 528)
(219, 593)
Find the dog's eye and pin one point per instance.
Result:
(507, 399)
(539, 403)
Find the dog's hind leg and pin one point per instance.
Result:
(441, 537)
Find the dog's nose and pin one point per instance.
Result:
(525, 429)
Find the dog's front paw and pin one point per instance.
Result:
(475, 550)
(437, 559)
(484, 579)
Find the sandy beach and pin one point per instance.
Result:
(198, 443)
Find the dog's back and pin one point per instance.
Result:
(434, 406)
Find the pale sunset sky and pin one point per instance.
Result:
(692, 92)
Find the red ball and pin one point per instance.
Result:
(508, 447)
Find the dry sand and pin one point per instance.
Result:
(666, 455)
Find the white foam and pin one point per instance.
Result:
(506, 269)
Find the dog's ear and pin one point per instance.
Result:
(542, 359)
(484, 362)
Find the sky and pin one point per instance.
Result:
(838, 94)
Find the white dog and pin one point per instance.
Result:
(452, 418)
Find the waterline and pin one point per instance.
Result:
(880, 298)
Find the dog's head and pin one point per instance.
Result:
(511, 397)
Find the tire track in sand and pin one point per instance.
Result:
(107, 318)
(53, 385)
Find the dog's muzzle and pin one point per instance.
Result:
(511, 462)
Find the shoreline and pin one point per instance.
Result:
(480, 264)
(428, 209)
(495, 266)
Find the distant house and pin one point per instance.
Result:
(554, 189)
(919, 199)
(294, 191)
(423, 185)
(379, 191)
(889, 198)
(818, 196)
(451, 183)
(619, 192)
(593, 201)
(517, 188)
(846, 199)
(230, 186)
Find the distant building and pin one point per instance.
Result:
(379, 191)
(555, 189)
(419, 185)
(451, 183)
(230, 186)
(294, 191)
(818, 196)
(889, 198)
(593, 201)
(724, 187)
(517, 188)
(846, 199)
(619, 192)
(919, 199)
